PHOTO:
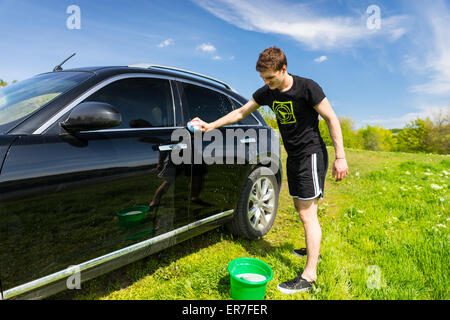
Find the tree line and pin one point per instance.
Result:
(429, 135)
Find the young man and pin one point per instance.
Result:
(297, 102)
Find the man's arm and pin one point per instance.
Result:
(232, 117)
(340, 168)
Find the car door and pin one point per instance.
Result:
(61, 195)
(217, 179)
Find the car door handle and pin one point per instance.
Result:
(169, 147)
(248, 140)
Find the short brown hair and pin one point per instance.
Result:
(272, 58)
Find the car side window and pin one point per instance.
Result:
(204, 103)
(248, 120)
(142, 102)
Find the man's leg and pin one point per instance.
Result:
(307, 210)
(306, 177)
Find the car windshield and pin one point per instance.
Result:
(22, 98)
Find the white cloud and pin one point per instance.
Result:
(209, 49)
(433, 50)
(424, 112)
(300, 22)
(165, 43)
(206, 47)
(321, 59)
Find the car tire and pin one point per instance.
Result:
(257, 205)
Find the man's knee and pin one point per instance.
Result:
(307, 209)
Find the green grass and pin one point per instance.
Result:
(385, 236)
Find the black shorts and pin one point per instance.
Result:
(306, 175)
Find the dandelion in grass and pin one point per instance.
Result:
(407, 173)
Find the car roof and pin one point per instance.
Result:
(108, 71)
(101, 73)
(178, 73)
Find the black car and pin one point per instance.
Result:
(88, 181)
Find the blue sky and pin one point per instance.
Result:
(378, 74)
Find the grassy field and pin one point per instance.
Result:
(385, 231)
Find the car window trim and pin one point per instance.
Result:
(180, 80)
(99, 86)
(134, 129)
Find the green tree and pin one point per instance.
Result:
(416, 136)
(426, 135)
(440, 135)
(325, 133)
(377, 138)
(349, 135)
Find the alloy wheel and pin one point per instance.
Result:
(261, 203)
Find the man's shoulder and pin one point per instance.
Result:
(261, 92)
(264, 88)
(261, 95)
(303, 80)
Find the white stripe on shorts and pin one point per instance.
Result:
(316, 185)
(317, 190)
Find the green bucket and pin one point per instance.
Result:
(249, 278)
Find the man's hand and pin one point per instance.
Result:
(340, 169)
(205, 127)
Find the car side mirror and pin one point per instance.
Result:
(92, 116)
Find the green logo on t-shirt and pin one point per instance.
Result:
(284, 112)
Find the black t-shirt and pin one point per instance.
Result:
(297, 120)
